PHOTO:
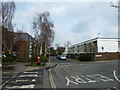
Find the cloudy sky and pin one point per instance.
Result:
(74, 21)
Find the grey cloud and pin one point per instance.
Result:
(80, 27)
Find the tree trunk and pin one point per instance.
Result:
(41, 49)
(45, 49)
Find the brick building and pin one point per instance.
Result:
(21, 45)
(25, 46)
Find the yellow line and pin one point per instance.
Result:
(51, 80)
(7, 81)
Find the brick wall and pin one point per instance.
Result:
(108, 56)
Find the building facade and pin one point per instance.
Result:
(102, 48)
(25, 46)
(7, 41)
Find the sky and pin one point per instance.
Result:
(74, 21)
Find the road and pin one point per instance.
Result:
(101, 74)
(67, 74)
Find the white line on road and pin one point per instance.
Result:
(33, 80)
(21, 80)
(28, 76)
(30, 72)
(61, 66)
(24, 86)
(103, 78)
(69, 81)
(116, 76)
(66, 65)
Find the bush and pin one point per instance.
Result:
(9, 59)
(43, 59)
(34, 58)
(85, 57)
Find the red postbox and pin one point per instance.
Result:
(38, 61)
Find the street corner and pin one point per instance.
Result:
(32, 68)
(50, 64)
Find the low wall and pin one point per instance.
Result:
(107, 56)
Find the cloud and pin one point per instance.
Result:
(74, 22)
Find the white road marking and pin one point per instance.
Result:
(33, 80)
(61, 66)
(102, 78)
(89, 80)
(78, 79)
(115, 87)
(28, 76)
(30, 72)
(24, 86)
(66, 65)
(21, 80)
(69, 81)
(116, 76)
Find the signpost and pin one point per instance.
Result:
(102, 52)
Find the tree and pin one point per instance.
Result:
(52, 51)
(7, 14)
(7, 10)
(43, 30)
(60, 50)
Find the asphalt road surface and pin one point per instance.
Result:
(100, 74)
(27, 79)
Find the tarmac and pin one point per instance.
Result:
(21, 67)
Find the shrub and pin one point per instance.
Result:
(44, 59)
(9, 59)
(85, 57)
(34, 58)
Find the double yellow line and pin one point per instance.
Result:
(51, 80)
(8, 81)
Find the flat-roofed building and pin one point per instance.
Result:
(102, 48)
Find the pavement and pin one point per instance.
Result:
(47, 66)
(20, 67)
(17, 67)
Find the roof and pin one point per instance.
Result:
(94, 39)
(23, 37)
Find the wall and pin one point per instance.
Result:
(110, 45)
(108, 56)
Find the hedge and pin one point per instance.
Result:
(85, 57)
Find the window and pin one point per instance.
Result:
(30, 56)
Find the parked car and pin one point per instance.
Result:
(61, 57)
(2, 55)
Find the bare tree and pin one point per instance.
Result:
(7, 10)
(43, 30)
(7, 13)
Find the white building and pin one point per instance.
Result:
(97, 46)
